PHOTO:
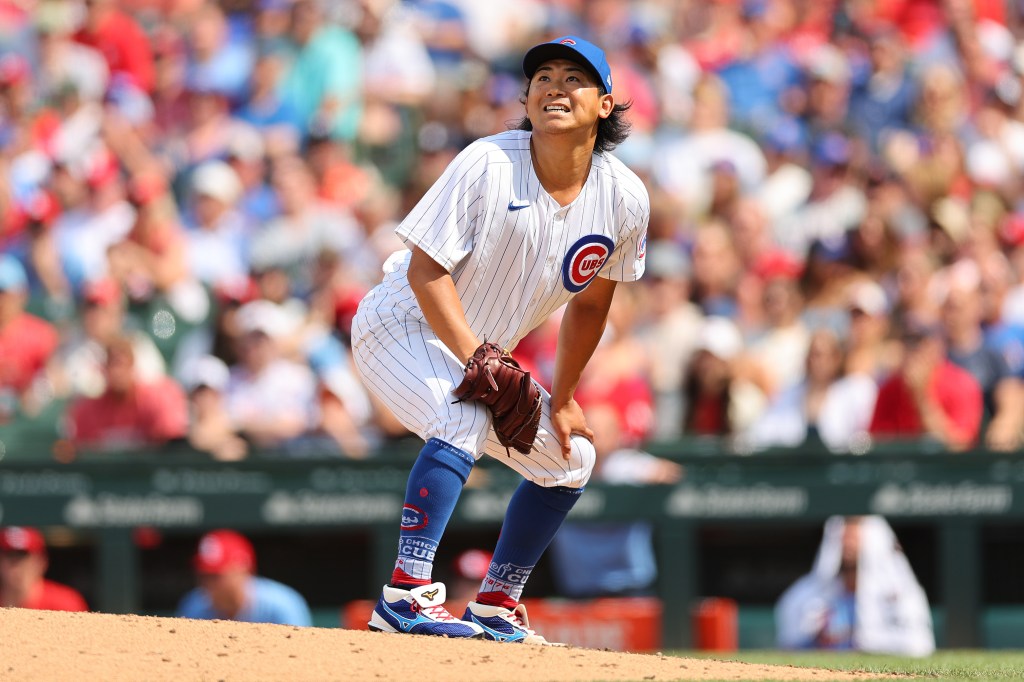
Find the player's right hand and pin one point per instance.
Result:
(567, 421)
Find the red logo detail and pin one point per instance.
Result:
(586, 263)
(568, 41)
(424, 492)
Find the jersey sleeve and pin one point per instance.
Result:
(444, 222)
(627, 261)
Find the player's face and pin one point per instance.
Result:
(20, 570)
(226, 590)
(564, 97)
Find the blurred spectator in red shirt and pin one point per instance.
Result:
(26, 342)
(23, 563)
(120, 40)
(928, 396)
(130, 413)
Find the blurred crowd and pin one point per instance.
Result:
(195, 195)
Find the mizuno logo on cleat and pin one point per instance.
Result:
(430, 595)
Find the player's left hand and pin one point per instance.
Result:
(568, 420)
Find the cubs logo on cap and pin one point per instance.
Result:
(584, 260)
(574, 49)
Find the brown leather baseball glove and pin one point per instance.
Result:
(494, 378)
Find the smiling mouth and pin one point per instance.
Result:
(557, 107)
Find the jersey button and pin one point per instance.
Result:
(560, 215)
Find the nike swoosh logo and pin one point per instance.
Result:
(517, 204)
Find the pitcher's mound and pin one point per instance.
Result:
(48, 645)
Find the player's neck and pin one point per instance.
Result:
(561, 167)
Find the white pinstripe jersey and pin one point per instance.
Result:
(514, 254)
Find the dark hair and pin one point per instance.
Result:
(692, 395)
(611, 131)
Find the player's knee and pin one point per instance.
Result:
(584, 457)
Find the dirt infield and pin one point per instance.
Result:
(46, 645)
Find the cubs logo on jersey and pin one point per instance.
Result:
(584, 260)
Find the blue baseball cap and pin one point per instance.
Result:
(12, 274)
(575, 50)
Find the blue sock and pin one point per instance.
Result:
(434, 486)
(533, 517)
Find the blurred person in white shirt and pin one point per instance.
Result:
(684, 165)
(218, 240)
(306, 227)
(270, 399)
(860, 595)
(827, 406)
(779, 351)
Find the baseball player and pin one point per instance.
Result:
(520, 224)
(23, 565)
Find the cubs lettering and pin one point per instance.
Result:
(417, 548)
(509, 573)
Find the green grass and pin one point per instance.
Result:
(944, 665)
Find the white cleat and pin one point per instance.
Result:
(419, 611)
(504, 625)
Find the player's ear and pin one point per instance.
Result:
(607, 106)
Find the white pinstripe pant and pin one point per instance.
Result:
(409, 369)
